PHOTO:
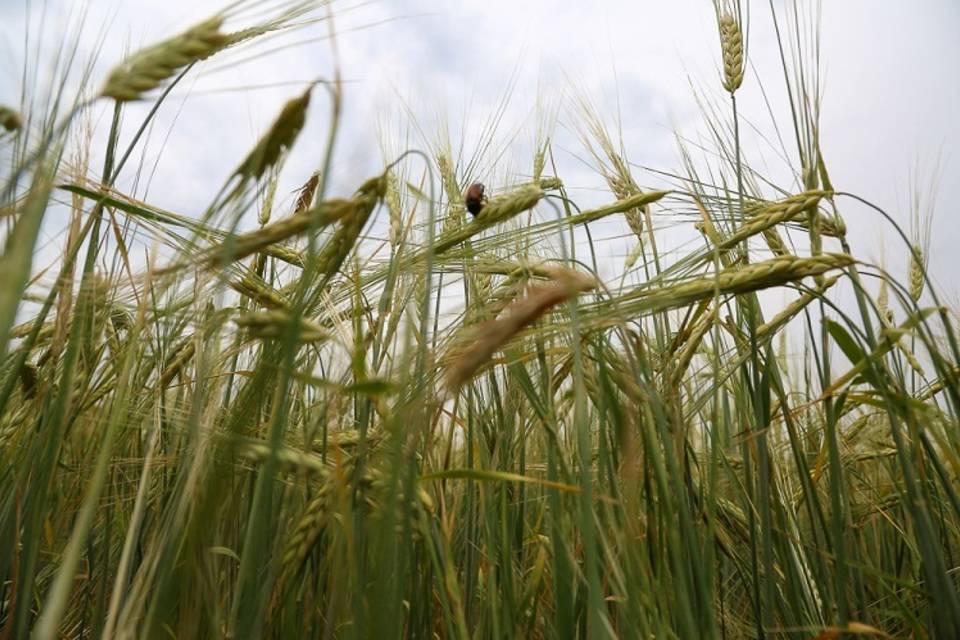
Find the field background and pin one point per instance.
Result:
(684, 375)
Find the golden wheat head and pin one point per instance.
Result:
(731, 40)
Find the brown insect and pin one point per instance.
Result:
(475, 198)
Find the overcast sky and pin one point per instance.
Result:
(890, 109)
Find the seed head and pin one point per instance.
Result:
(915, 273)
(731, 40)
(151, 67)
(305, 196)
(281, 136)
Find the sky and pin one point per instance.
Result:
(891, 94)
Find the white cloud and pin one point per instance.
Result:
(891, 93)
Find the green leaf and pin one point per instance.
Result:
(417, 193)
(17, 259)
(844, 340)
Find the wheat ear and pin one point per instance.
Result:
(915, 275)
(731, 41)
(149, 68)
(760, 275)
(478, 343)
(281, 136)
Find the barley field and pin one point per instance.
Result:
(420, 408)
